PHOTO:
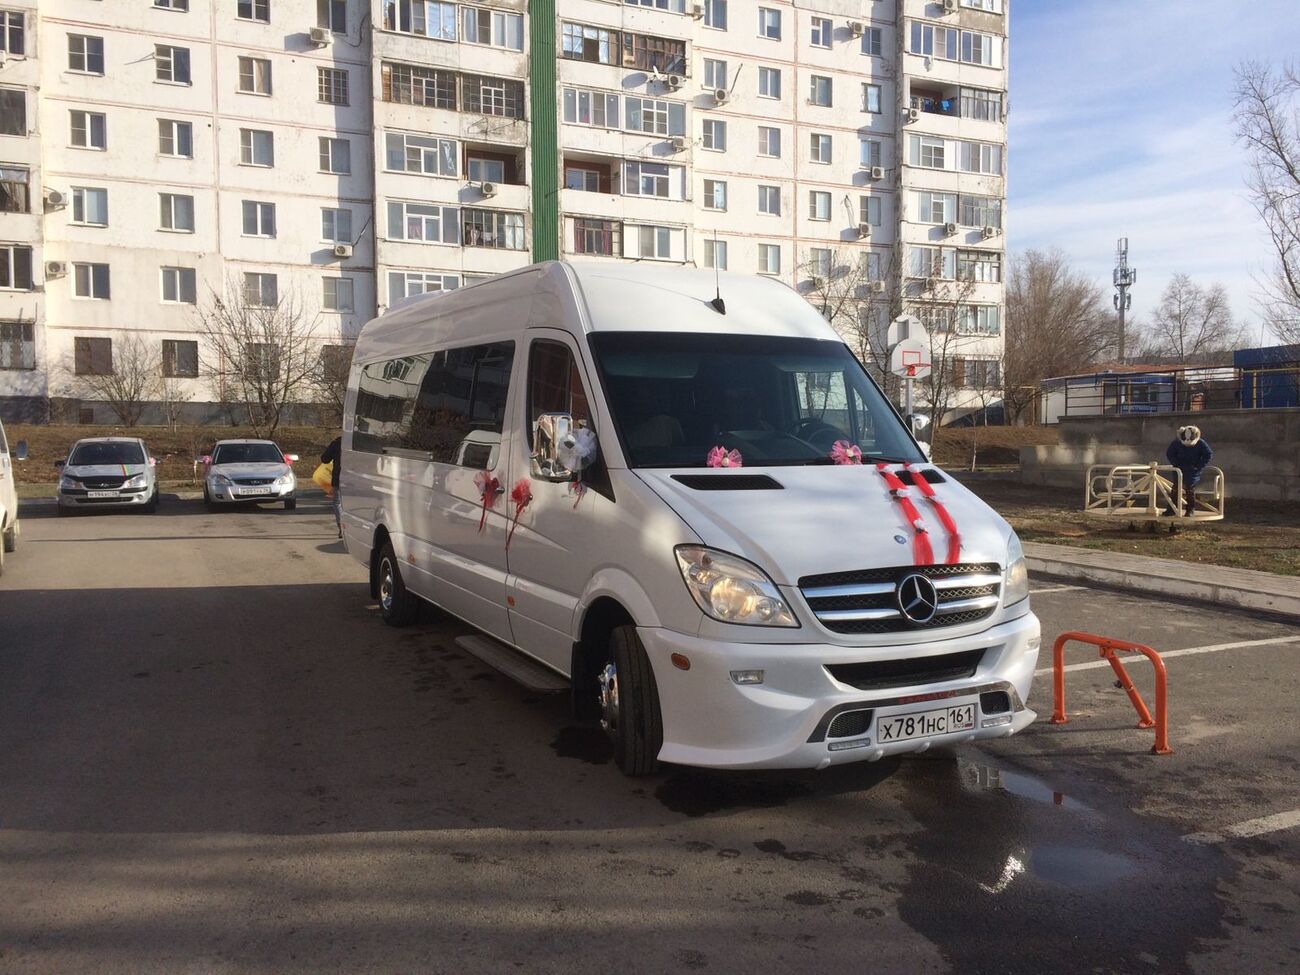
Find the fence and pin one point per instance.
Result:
(1172, 391)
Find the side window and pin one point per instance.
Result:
(462, 405)
(386, 395)
(554, 385)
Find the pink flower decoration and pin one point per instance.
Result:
(522, 495)
(722, 457)
(846, 453)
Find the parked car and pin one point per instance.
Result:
(107, 472)
(9, 525)
(248, 470)
(666, 498)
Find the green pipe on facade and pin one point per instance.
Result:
(544, 135)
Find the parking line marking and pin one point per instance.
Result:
(1248, 828)
(1181, 653)
(1036, 592)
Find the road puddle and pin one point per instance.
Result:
(990, 778)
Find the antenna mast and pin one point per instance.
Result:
(1125, 277)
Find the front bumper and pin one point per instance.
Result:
(228, 493)
(119, 498)
(710, 720)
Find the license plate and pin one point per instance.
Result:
(244, 492)
(922, 724)
(102, 494)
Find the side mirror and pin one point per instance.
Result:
(20, 450)
(153, 461)
(58, 464)
(205, 459)
(290, 458)
(560, 448)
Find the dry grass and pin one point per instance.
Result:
(993, 446)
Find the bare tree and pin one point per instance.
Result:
(1268, 124)
(1192, 323)
(983, 378)
(940, 303)
(173, 397)
(329, 380)
(1057, 324)
(127, 380)
(262, 350)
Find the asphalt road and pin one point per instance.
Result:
(215, 758)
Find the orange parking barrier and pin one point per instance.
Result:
(1108, 649)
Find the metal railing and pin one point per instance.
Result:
(1179, 390)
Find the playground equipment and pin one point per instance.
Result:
(1151, 493)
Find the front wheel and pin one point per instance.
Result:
(629, 704)
(11, 538)
(397, 605)
(290, 504)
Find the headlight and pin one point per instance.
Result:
(66, 483)
(138, 481)
(1015, 581)
(220, 480)
(730, 589)
(284, 479)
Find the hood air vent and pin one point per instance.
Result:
(930, 474)
(728, 482)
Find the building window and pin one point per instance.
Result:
(256, 147)
(175, 138)
(254, 76)
(934, 262)
(819, 148)
(649, 179)
(980, 48)
(259, 219)
(582, 43)
(593, 236)
(90, 206)
(872, 42)
(13, 33)
(172, 64)
(332, 86)
(715, 14)
(979, 104)
(332, 15)
(715, 134)
(769, 23)
(715, 254)
(261, 290)
(715, 194)
(582, 178)
(494, 28)
(423, 222)
(927, 152)
(337, 294)
(492, 96)
(769, 82)
(979, 320)
(656, 116)
(649, 53)
(870, 152)
(989, 6)
(423, 155)
(179, 287)
(821, 32)
(89, 129)
(949, 44)
(481, 169)
(17, 345)
(871, 265)
(180, 6)
(259, 10)
(492, 228)
(176, 212)
(769, 141)
(980, 157)
(819, 262)
(15, 267)
(92, 357)
(15, 189)
(654, 243)
(769, 200)
(871, 99)
(336, 225)
(13, 111)
(819, 90)
(819, 205)
(335, 156)
(769, 258)
(85, 53)
(180, 359)
(982, 267)
(869, 210)
(597, 109)
(715, 73)
(90, 281)
(936, 207)
(427, 18)
(980, 211)
(410, 85)
(404, 284)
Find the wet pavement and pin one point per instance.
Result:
(217, 759)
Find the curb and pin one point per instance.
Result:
(1209, 585)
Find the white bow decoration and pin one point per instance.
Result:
(577, 449)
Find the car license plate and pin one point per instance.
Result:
(102, 494)
(922, 724)
(245, 492)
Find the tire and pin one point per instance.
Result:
(151, 506)
(629, 704)
(2, 560)
(290, 504)
(11, 538)
(207, 500)
(397, 605)
(63, 511)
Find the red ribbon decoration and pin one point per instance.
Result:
(488, 488)
(522, 495)
(922, 554)
(950, 526)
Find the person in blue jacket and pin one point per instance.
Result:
(1190, 454)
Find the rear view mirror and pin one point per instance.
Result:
(20, 450)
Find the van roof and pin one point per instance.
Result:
(600, 296)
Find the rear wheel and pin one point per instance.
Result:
(629, 704)
(398, 606)
(11, 538)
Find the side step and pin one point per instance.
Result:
(519, 668)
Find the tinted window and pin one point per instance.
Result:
(462, 405)
(386, 396)
(554, 385)
(248, 453)
(92, 454)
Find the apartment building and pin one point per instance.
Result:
(345, 154)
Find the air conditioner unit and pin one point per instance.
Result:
(929, 284)
(673, 81)
(913, 114)
(864, 230)
(56, 269)
(55, 198)
(697, 11)
(488, 189)
(857, 28)
(989, 232)
(950, 229)
(321, 36)
(950, 6)
(720, 96)
(679, 143)
(877, 172)
(876, 287)
(342, 250)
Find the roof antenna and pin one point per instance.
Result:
(717, 303)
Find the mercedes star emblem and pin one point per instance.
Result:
(917, 598)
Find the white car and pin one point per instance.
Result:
(248, 470)
(9, 526)
(107, 472)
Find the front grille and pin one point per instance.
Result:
(865, 601)
(254, 481)
(879, 674)
(101, 483)
(850, 724)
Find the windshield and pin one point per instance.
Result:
(247, 453)
(675, 396)
(96, 453)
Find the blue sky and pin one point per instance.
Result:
(1121, 125)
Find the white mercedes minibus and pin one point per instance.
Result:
(681, 497)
